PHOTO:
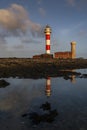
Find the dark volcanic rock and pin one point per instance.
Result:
(38, 68)
(3, 83)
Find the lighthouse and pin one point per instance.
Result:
(47, 32)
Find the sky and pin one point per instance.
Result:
(22, 24)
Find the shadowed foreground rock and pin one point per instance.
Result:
(38, 68)
(48, 114)
(3, 83)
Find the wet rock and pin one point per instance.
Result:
(3, 83)
(46, 117)
(46, 106)
(84, 75)
(48, 114)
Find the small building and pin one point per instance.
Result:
(36, 57)
(63, 55)
(43, 56)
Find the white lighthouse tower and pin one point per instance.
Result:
(47, 32)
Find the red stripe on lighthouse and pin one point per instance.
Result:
(48, 88)
(47, 47)
(48, 78)
(47, 37)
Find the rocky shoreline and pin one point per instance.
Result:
(38, 68)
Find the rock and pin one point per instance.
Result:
(3, 83)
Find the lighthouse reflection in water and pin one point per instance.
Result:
(48, 87)
(48, 84)
(47, 112)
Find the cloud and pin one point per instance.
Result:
(13, 18)
(79, 4)
(15, 21)
(42, 11)
(30, 40)
(82, 33)
(2, 40)
(39, 1)
(18, 47)
(71, 2)
(35, 29)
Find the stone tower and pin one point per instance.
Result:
(73, 49)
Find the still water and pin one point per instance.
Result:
(44, 104)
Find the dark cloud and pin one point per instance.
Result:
(31, 40)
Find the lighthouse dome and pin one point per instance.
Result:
(47, 29)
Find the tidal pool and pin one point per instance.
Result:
(44, 104)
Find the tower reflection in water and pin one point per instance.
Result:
(48, 83)
(47, 113)
(73, 77)
(48, 87)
